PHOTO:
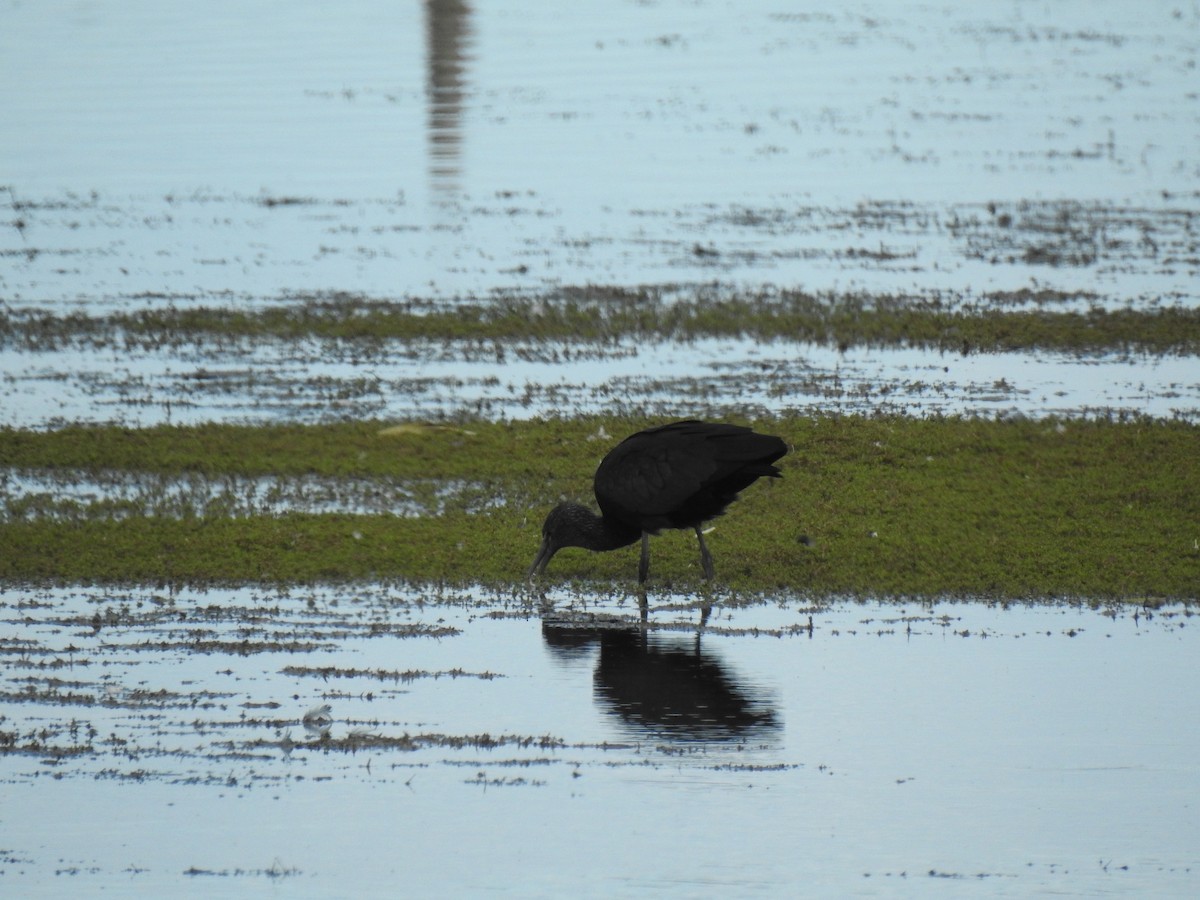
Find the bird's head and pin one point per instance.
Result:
(566, 526)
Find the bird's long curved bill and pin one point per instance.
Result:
(543, 556)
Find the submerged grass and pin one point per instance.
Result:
(886, 506)
(604, 314)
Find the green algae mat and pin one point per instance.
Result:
(868, 507)
(598, 314)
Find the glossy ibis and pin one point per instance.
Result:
(674, 476)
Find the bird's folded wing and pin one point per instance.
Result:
(653, 481)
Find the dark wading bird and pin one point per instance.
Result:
(674, 476)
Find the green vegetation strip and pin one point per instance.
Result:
(603, 314)
(877, 507)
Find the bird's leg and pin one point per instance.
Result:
(644, 564)
(705, 556)
(707, 563)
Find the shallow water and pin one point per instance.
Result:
(559, 749)
(235, 157)
(71, 494)
(314, 381)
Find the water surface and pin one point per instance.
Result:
(238, 156)
(559, 748)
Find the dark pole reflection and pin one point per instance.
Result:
(664, 686)
(448, 39)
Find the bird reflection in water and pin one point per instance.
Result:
(664, 686)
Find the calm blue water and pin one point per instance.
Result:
(1006, 751)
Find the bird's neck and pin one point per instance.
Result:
(599, 533)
